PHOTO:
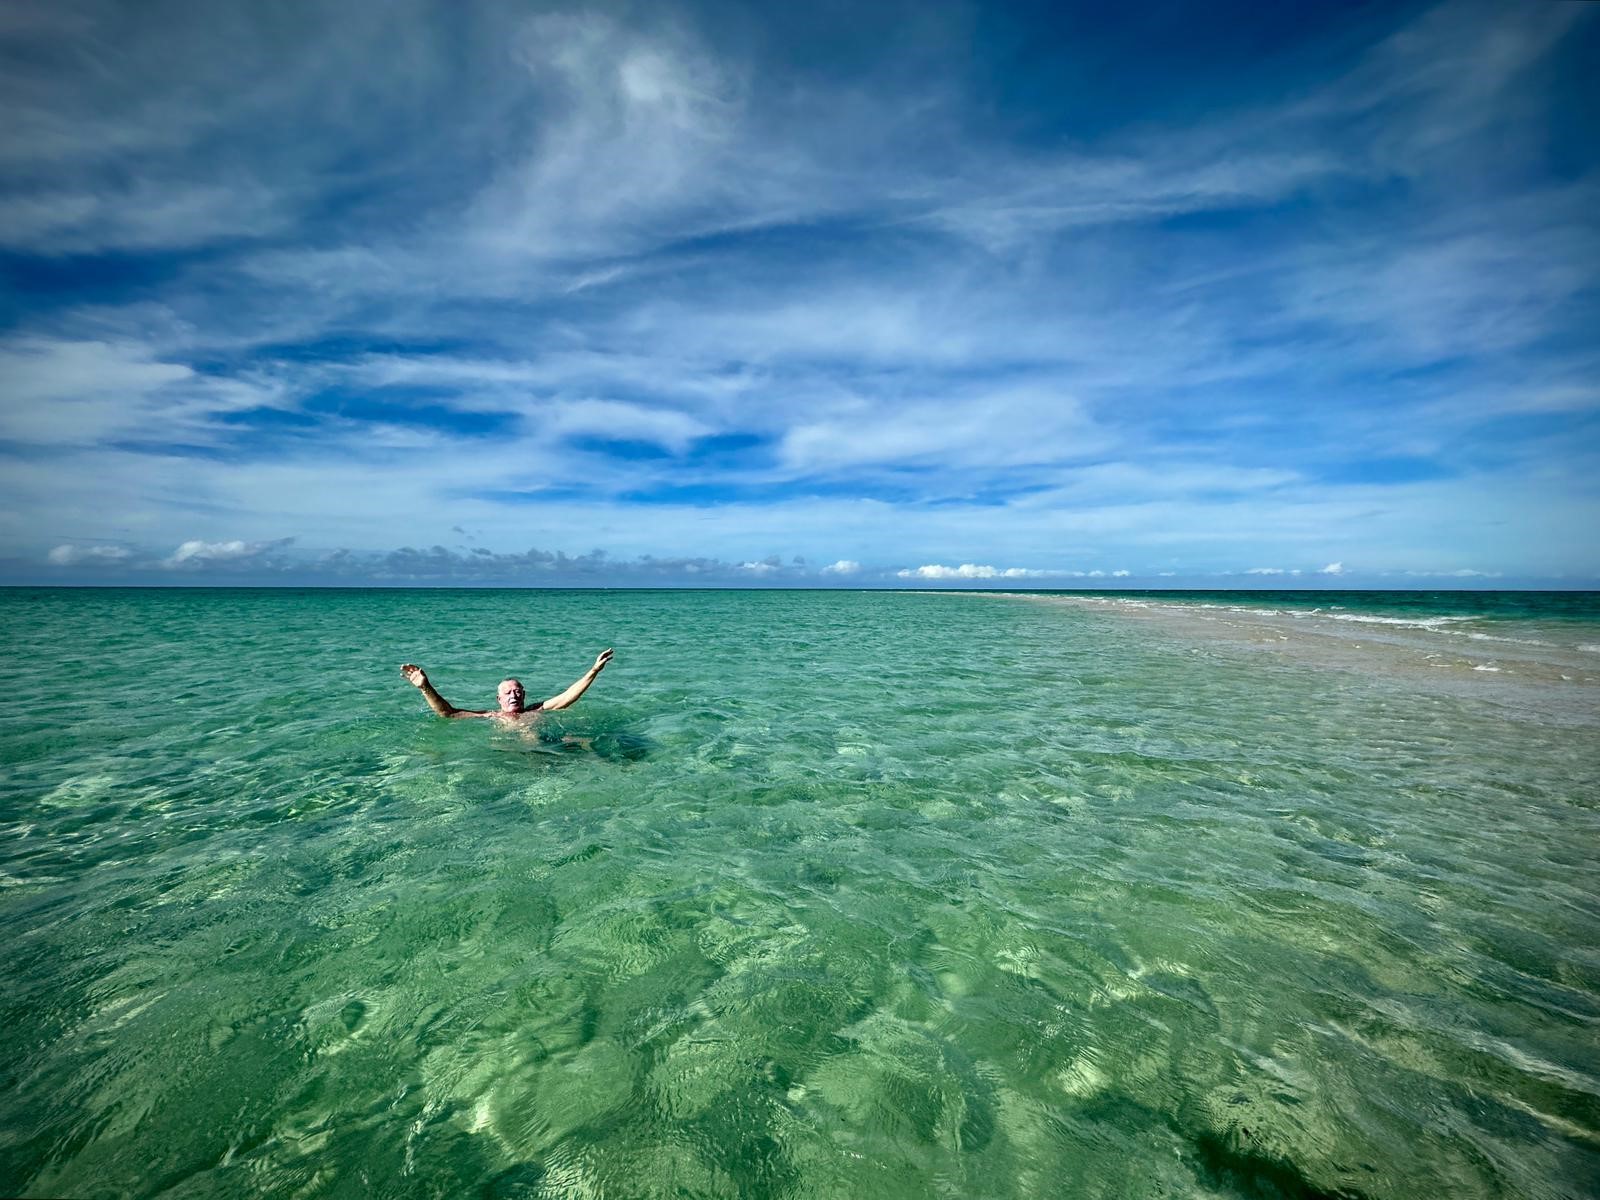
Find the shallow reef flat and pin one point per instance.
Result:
(831, 895)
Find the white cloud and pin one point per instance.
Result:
(77, 390)
(1015, 425)
(73, 556)
(1266, 571)
(1454, 288)
(195, 553)
(145, 216)
(969, 571)
(844, 566)
(643, 131)
(1333, 568)
(1016, 202)
(616, 419)
(60, 391)
(1121, 574)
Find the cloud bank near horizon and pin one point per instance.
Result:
(727, 294)
(280, 562)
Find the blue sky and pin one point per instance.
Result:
(924, 294)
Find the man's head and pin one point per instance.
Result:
(510, 695)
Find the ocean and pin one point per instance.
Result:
(814, 894)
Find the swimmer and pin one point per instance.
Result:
(510, 694)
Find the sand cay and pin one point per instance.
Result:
(1550, 670)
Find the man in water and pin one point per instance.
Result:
(510, 694)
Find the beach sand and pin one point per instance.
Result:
(1541, 670)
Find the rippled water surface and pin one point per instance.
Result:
(813, 895)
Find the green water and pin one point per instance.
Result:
(843, 894)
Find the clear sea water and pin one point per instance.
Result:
(832, 895)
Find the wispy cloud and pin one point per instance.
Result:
(360, 275)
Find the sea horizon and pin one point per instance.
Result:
(1589, 588)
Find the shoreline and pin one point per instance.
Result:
(1515, 663)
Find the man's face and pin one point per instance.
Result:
(510, 695)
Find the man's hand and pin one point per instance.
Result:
(418, 678)
(570, 697)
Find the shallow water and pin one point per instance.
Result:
(1542, 649)
(854, 894)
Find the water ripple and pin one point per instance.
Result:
(837, 894)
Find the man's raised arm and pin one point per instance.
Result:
(418, 679)
(570, 697)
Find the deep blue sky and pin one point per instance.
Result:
(1046, 294)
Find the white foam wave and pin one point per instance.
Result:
(1410, 622)
(1500, 637)
(1120, 602)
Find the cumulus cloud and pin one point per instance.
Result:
(844, 566)
(969, 571)
(197, 553)
(1333, 568)
(70, 555)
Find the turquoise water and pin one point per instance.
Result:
(841, 894)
